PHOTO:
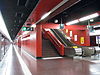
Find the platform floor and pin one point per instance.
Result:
(18, 62)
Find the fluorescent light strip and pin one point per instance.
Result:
(51, 58)
(23, 65)
(72, 22)
(94, 15)
(33, 25)
(83, 19)
(55, 8)
(89, 17)
(47, 14)
(96, 26)
(3, 27)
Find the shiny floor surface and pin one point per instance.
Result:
(61, 66)
(10, 64)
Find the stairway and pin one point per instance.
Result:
(48, 49)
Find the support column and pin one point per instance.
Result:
(39, 40)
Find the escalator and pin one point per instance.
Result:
(62, 37)
(68, 45)
(65, 47)
(69, 50)
(62, 45)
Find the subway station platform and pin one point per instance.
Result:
(49, 37)
(18, 62)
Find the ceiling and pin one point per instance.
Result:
(81, 9)
(15, 13)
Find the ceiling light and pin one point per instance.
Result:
(33, 25)
(56, 21)
(45, 15)
(94, 15)
(96, 26)
(72, 22)
(91, 20)
(3, 27)
(84, 18)
(89, 17)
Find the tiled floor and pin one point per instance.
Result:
(61, 66)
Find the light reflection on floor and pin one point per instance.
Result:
(4, 62)
(93, 58)
(62, 66)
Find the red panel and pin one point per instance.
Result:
(43, 7)
(39, 41)
(29, 45)
(80, 31)
(76, 27)
(97, 23)
(33, 45)
(50, 26)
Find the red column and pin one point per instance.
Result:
(39, 40)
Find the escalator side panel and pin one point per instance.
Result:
(59, 38)
(65, 41)
(58, 45)
(70, 52)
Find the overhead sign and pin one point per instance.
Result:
(61, 26)
(27, 28)
(91, 29)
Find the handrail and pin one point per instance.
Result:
(59, 46)
(66, 36)
(60, 38)
(55, 40)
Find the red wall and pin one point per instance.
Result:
(50, 26)
(29, 45)
(80, 31)
(32, 42)
(39, 41)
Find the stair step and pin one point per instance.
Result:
(48, 49)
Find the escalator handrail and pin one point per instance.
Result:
(65, 36)
(56, 42)
(53, 38)
(60, 38)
